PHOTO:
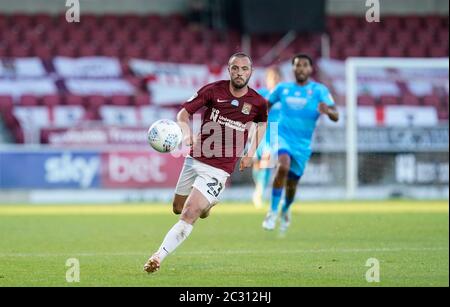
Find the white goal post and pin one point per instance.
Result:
(351, 70)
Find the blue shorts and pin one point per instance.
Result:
(299, 159)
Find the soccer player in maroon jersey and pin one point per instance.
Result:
(231, 108)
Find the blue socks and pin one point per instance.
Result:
(287, 204)
(276, 196)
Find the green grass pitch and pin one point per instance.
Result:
(328, 244)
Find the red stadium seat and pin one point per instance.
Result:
(179, 53)
(6, 104)
(383, 37)
(199, 53)
(74, 100)
(442, 37)
(28, 101)
(135, 81)
(44, 52)
(155, 53)
(366, 100)
(52, 100)
(188, 38)
(133, 51)
(432, 100)
(438, 51)
(167, 38)
(220, 52)
(410, 100)
(352, 22)
(389, 100)
(333, 23)
(417, 51)
(20, 51)
(120, 100)
(443, 113)
(110, 51)
(404, 38)
(393, 23)
(125, 37)
(374, 51)
(141, 100)
(66, 51)
(10, 120)
(413, 23)
(43, 20)
(433, 22)
(94, 102)
(110, 22)
(352, 51)
(144, 37)
(88, 50)
(395, 51)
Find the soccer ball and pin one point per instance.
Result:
(164, 135)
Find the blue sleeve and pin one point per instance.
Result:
(326, 97)
(264, 92)
(274, 97)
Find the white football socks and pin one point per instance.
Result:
(179, 232)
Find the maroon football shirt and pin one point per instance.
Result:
(225, 123)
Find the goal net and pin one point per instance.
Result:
(396, 128)
(392, 138)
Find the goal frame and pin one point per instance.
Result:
(352, 65)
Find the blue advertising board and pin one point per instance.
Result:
(60, 169)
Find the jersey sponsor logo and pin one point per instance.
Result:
(296, 102)
(246, 108)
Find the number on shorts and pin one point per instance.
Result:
(215, 187)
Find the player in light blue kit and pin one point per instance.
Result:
(302, 102)
(263, 164)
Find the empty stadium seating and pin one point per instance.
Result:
(167, 38)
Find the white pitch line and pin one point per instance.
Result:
(231, 252)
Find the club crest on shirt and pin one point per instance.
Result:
(246, 108)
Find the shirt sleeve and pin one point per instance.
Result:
(326, 97)
(262, 114)
(200, 99)
(274, 96)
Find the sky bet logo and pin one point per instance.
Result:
(66, 169)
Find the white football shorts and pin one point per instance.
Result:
(209, 180)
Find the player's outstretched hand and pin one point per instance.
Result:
(246, 162)
(188, 141)
(323, 108)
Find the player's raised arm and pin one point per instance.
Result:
(183, 119)
(327, 105)
(330, 111)
(256, 138)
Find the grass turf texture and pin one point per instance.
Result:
(327, 245)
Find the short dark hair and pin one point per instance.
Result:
(240, 55)
(303, 56)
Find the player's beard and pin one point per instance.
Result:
(239, 86)
(302, 78)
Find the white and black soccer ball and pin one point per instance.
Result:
(164, 135)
